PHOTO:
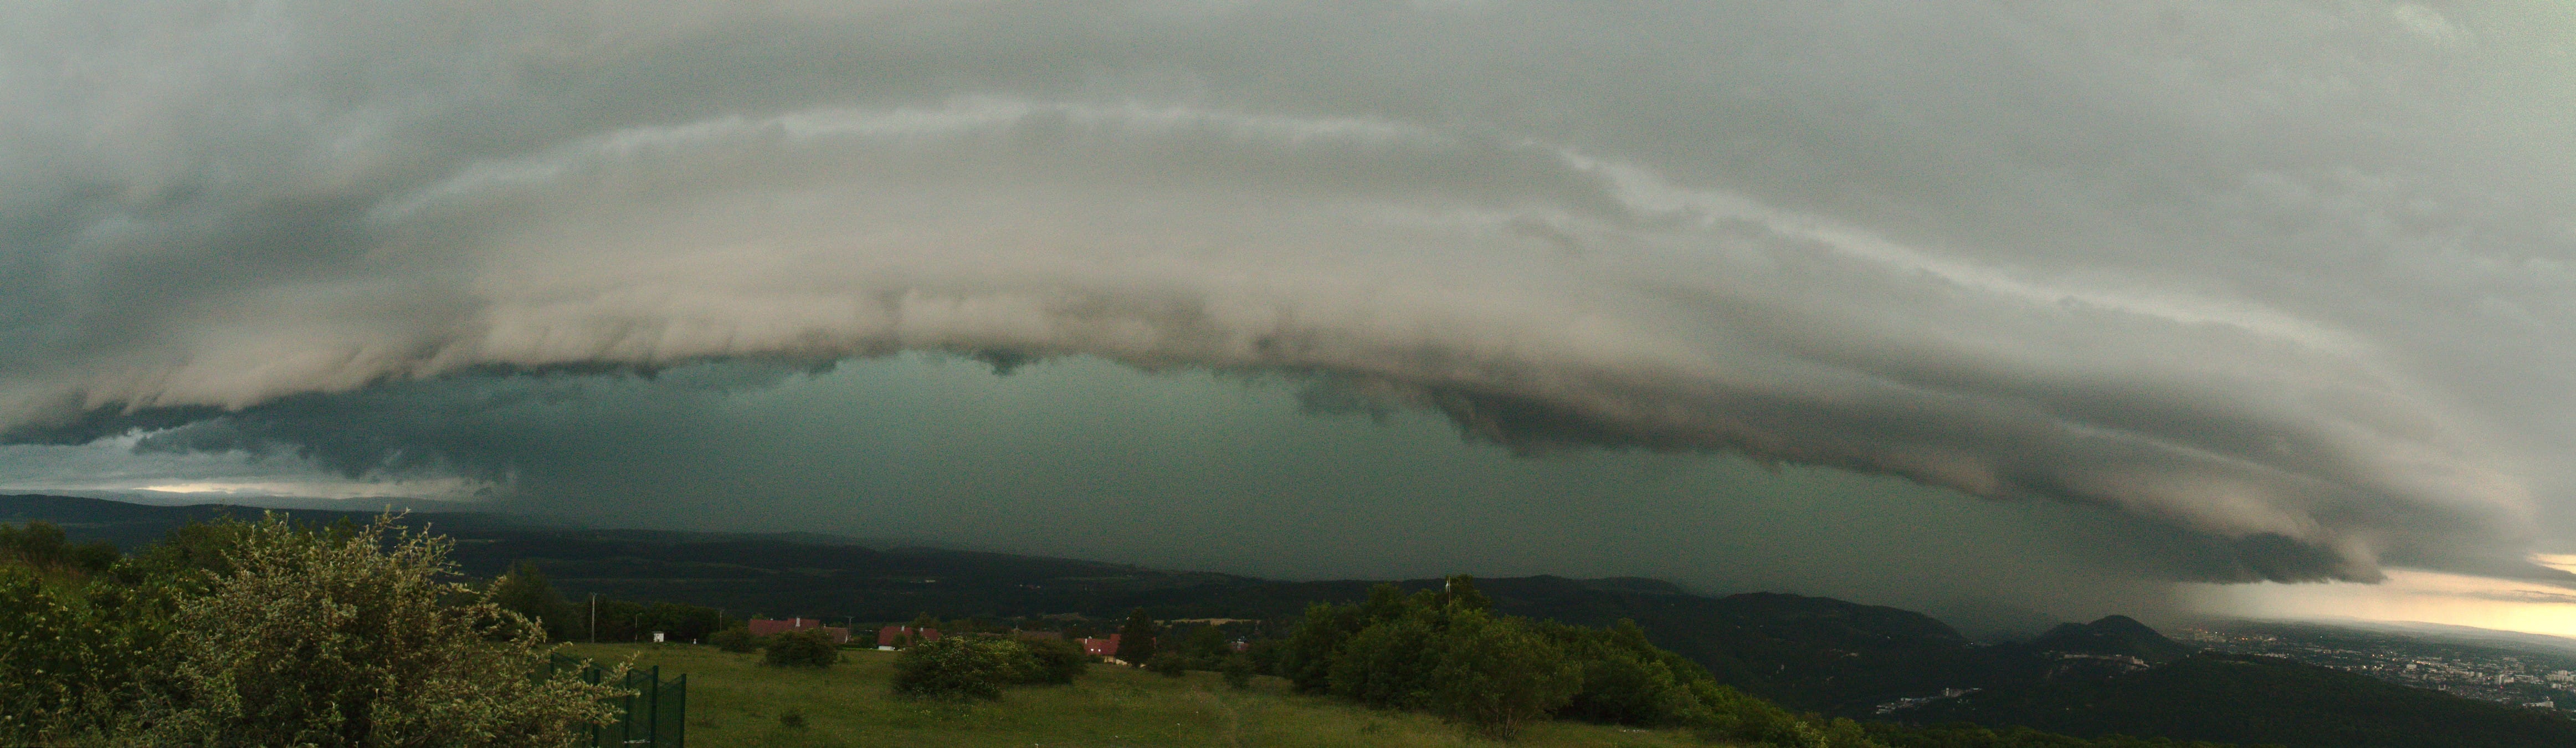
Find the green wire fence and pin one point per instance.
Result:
(655, 713)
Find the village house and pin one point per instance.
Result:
(891, 637)
(1105, 649)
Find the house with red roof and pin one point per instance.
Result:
(895, 636)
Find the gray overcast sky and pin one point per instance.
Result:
(2227, 291)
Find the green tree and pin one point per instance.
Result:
(1056, 660)
(618, 620)
(37, 544)
(96, 556)
(1389, 664)
(350, 638)
(1386, 602)
(1306, 660)
(680, 622)
(1136, 639)
(1459, 591)
(1206, 644)
(734, 639)
(189, 556)
(1627, 680)
(809, 648)
(525, 591)
(42, 545)
(961, 667)
(1497, 676)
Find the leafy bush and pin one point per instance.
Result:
(810, 648)
(964, 666)
(1497, 676)
(1168, 665)
(1439, 652)
(70, 653)
(1206, 644)
(1388, 665)
(1056, 660)
(1237, 671)
(1307, 659)
(1627, 680)
(736, 639)
(1736, 716)
(345, 638)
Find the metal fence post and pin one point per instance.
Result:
(653, 724)
(680, 716)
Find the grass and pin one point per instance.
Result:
(736, 701)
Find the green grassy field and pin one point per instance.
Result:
(736, 701)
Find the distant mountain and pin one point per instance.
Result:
(76, 511)
(2254, 699)
(2112, 635)
(132, 526)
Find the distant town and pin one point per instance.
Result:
(2513, 673)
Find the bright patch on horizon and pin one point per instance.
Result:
(2561, 561)
(448, 489)
(2407, 596)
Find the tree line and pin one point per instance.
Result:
(526, 590)
(1447, 653)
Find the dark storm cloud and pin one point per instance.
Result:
(2288, 278)
(1188, 470)
(484, 427)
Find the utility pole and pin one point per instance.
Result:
(594, 618)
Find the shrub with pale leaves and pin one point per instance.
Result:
(355, 638)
